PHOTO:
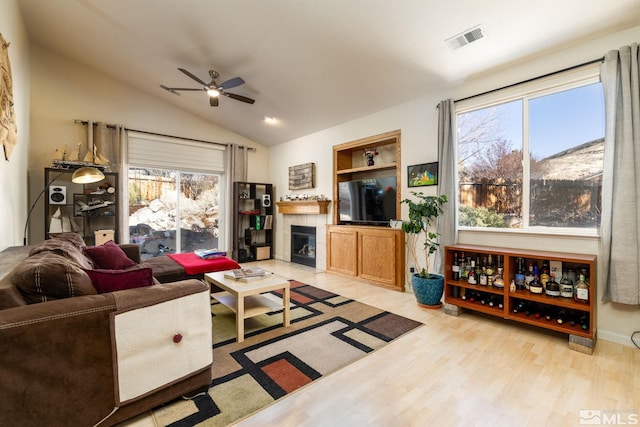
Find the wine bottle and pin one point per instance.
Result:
(581, 289)
(535, 287)
(519, 273)
(544, 274)
(455, 268)
(496, 301)
(490, 270)
(563, 317)
(519, 307)
(584, 321)
(566, 287)
(484, 278)
(528, 276)
(498, 279)
(552, 288)
(471, 277)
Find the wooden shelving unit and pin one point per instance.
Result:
(580, 339)
(373, 253)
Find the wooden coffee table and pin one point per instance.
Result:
(244, 299)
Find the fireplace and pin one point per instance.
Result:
(303, 245)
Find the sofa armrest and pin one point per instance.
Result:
(57, 358)
(132, 251)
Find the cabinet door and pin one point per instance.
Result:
(377, 256)
(342, 250)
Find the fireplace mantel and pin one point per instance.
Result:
(304, 207)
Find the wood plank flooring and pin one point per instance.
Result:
(467, 370)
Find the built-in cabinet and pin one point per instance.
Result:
(252, 225)
(81, 208)
(373, 253)
(555, 312)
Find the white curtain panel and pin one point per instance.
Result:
(448, 221)
(621, 177)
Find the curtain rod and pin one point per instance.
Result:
(85, 122)
(593, 61)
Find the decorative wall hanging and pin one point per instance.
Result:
(8, 128)
(301, 176)
(422, 175)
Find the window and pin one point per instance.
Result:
(174, 189)
(532, 160)
(172, 211)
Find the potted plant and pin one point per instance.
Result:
(427, 287)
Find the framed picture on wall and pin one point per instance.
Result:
(301, 176)
(422, 175)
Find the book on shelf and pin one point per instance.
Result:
(247, 274)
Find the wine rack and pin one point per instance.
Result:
(561, 314)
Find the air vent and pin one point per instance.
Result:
(469, 36)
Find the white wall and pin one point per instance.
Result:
(418, 123)
(13, 173)
(64, 90)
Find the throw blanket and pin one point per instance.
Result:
(193, 264)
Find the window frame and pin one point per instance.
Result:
(559, 82)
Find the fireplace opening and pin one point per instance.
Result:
(303, 245)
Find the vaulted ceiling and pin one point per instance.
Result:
(311, 64)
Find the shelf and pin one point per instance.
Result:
(252, 202)
(545, 299)
(479, 288)
(390, 166)
(587, 337)
(304, 207)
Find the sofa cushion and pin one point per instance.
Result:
(63, 248)
(74, 238)
(118, 280)
(48, 276)
(109, 256)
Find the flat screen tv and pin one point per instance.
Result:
(368, 201)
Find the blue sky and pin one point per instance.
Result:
(557, 121)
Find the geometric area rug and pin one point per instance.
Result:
(327, 332)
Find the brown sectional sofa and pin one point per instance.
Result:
(88, 358)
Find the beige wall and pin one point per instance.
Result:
(13, 173)
(418, 123)
(64, 90)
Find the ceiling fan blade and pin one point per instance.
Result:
(187, 88)
(170, 89)
(193, 77)
(239, 97)
(236, 81)
(213, 101)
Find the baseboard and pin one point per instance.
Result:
(616, 338)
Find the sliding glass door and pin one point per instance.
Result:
(172, 211)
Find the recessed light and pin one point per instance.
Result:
(270, 120)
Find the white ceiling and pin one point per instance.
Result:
(311, 64)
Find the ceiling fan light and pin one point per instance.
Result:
(213, 92)
(270, 120)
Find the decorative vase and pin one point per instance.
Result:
(428, 290)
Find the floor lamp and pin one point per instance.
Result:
(83, 175)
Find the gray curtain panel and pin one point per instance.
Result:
(448, 221)
(236, 165)
(621, 177)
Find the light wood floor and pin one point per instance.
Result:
(466, 370)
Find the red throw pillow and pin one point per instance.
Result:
(109, 256)
(118, 280)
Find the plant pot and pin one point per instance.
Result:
(428, 290)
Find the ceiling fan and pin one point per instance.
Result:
(213, 89)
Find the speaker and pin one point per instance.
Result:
(57, 195)
(266, 200)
